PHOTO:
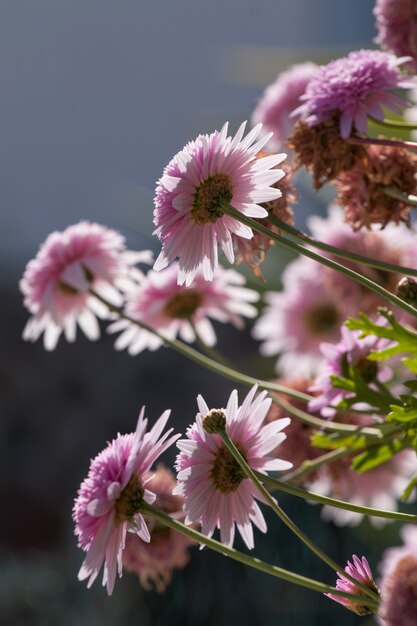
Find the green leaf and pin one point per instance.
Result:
(409, 489)
(376, 456)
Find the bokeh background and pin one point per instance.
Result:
(96, 96)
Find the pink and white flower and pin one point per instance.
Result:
(154, 562)
(110, 498)
(57, 284)
(361, 571)
(216, 492)
(207, 171)
(279, 100)
(176, 310)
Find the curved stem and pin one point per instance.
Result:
(369, 284)
(246, 559)
(393, 124)
(339, 504)
(394, 143)
(287, 520)
(393, 192)
(343, 254)
(317, 422)
(309, 466)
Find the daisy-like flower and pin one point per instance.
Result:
(207, 171)
(57, 284)
(216, 492)
(399, 594)
(299, 318)
(392, 556)
(172, 309)
(378, 488)
(396, 23)
(354, 87)
(361, 571)
(280, 99)
(350, 351)
(110, 498)
(154, 562)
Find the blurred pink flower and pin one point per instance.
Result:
(216, 492)
(280, 99)
(110, 498)
(171, 309)
(396, 23)
(154, 562)
(57, 283)
(211, 169)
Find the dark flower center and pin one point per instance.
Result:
(322, 319)
(226, 472)
(208, 197)
(184, 304)
(129, 502)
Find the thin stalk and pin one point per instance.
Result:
(399, 195)
(253, 562)
(339, 504)
(284, 517)
(393, 124)
(291, 245)
(209, 350)
(343, 254)
(394, 143)
(309, 466)
(317, 422)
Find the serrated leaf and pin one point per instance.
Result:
(402, 414)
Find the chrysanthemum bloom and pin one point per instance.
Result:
(361, 189)
(172, 309)
(299, 318)
(322, 151)
(253, 251)
(392, 556)
(216, 491)
(350, 351)
(208, 171)
(280, 99)
(361, 571)
(396, 22)
(297, 447)
(354, 87)
(378, 488)
(57, 284)
(155, 561)
(399, 594)
(110, 498)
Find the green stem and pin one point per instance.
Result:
(399, 195)
(253, 562)
(339, 504)
(394, 143)
(209, 350)
(309, 466)
(393, 124)
(338, 252)
(317, 422)
(369, 284)
(284, 517)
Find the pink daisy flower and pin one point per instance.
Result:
(396, 22)
(171, 309)
(350, 351)
(280, 99)
(216, 492)
(154, 562)
(211, 169)
(379, 488)
(299, 318)
(109, 500)
(354, 87)
(392, 556)
(361, 571)
(57, 284)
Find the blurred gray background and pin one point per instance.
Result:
(95, 98)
